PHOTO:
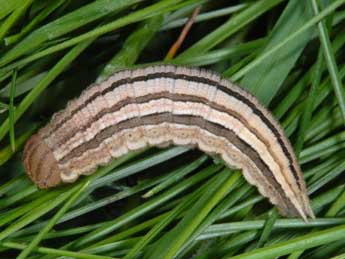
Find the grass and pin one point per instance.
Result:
(176, 202)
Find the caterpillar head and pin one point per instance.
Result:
(40, 163)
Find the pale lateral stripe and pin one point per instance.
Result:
(119, 93)
(84, 96)
(230, 154)
(256, 122)
(184, 108)
(182, 86)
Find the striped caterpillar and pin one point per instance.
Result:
(163, 105)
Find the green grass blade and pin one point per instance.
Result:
(34, 93)
(37, 19)
(12, 19)
(229, 28)
(11, 111)
(8, 6)
(303, 242)
(330, 61)
(264, 81)
(33, 244)
(187, 202)
(56, 252)
(138, 211)
(307, 114)
(177, 175)
(324, 13)
(63, 25)
(156, 9)
(133, 46)
(195, 216)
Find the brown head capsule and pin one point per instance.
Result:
(162, 105)
(40, 163)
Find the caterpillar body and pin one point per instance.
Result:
(164, 105)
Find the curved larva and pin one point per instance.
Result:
(163, 105)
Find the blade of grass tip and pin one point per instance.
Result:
(11, 111)
(327, 11)
(34, 21)
(308, 107)
(34, 243)
(6, 153)
(43, 84)
(230, 27)
(56, 252)
(132, 47)
(330, 60)
(303, 242)
(11, 20)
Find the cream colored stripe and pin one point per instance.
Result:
(185, 108)
(119, 146)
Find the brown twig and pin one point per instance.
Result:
(174, 48)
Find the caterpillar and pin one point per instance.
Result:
(164, 105)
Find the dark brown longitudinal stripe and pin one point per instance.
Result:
(214, 128)
(196, 79)
(175, 98)
(40, 164)
(146, 98)
(32, 152)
